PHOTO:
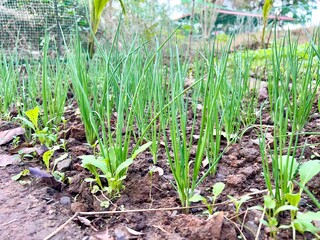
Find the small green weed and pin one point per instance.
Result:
(44, 135)
(113, 172)
(216, 191)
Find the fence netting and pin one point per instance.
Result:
(24, 23)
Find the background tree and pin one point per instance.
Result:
(298, 9)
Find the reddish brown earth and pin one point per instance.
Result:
(35, 210)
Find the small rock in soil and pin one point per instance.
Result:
(192, 227)
(78, 207)
(232, 149)
(228, 232)
(251, 229)
(77, 132)
(80, 150)
(64, 164)
(263, 94)
(235, 180)
(73, 142)
(250, 154)
(121, 233)
(235, 162)
(249, 171)
(65, 200)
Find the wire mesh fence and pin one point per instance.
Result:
(24, 23)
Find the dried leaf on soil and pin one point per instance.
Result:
(23, 150)
(84, 221)
(38, 173)
(134, 232)
(103, 235)
(156, 169)
(6, 159)
(8, 135)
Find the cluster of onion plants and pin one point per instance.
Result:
(153, 95)
(9, 83)
(54, 87)
(111, 96)
(46, 87)
(192, 107)
(185, 164)
(27, 84)
(291, 96)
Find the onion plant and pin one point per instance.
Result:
(185, 167)
(155, 95)
(54, 88)
(304, 82)
(180, 164)
(236, 100)
(31, 89)
(249, 91)
(291, 95)
(82, 90)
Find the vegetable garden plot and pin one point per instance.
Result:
(135, 141)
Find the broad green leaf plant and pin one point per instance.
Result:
(114, 173)
(44, 135)
(301, 221)
(272, 211)
(265, 12)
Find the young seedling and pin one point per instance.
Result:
(105, 201)
(44, 135)
(46, 158)
(304, 223)
(15, 142)
(237, 203)
(153, 169)
(113, 173)
(299, 221)
(216, 191)
(272, 213)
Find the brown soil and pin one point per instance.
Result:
(32, 212)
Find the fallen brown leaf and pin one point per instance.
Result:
(104, 235)
(8, 135)
(134, 232)
(27, 149)
(6, 159)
